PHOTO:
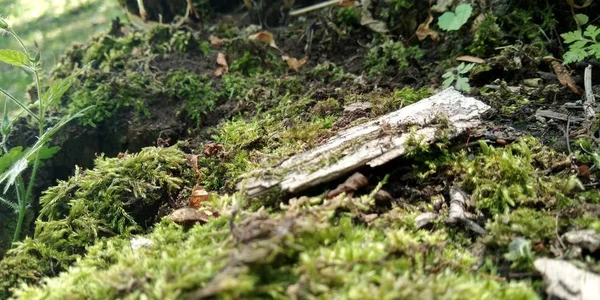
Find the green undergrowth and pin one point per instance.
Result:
(297, 253)
(118, 197)
(305, 247)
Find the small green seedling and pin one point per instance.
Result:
(455, 20)
(456, 75)
(15, 161)
(582, 45)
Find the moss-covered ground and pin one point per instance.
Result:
(169, 122)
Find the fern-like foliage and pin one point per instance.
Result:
(582, 45)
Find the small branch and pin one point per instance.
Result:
(588, 105)
(314, 7)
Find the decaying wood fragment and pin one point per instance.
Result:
(372, 144)
(565, 281)
(588, 239)
(590, 101)
(544, 113)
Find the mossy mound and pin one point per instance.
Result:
(120, 196)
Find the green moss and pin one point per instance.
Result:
(503, 178)
(348, 16)
(390, 53)
(326, 107)
(297, 252)
(110, 96)
(487, 37)
(119, 196)
(196, 91)
(329, 72)
(536, 226)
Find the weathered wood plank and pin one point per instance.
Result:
(373, 144)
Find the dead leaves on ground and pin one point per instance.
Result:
(564, 78)
(223, 67)
(294, 63)
(264, 37)
(423, 31)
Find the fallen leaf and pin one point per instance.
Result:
(199, 195)
(294, 63)
(222, 62)
(471, 59)
(264, 37)
(423, 31)
(188, 216)
(213, 149)
(564, 78)
(366, 19)
(192, 161)
(347, 3)
(216, 41)
(352, 184)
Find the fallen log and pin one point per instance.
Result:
(444, 115)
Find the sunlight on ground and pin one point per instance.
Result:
(52, 26)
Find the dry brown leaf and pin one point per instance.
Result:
(192, 161)
(189, 216)
(564, 78)
(213, 149)
(294, 63)
(199, 195)
(248, 4)
(264, 37)
(223, 66)
(136, 51)
(351, 185)
(423, 31)
(477, 23)
(471, 59)
(216, 41)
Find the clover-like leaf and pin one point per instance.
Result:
(455, 20)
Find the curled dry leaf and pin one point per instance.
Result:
(471, 59)
(199, 195)
(352, 184)
(264, 37)
(564, 78)
(423, 31)
(216, 41)
(222, 62)
(213, 149)
(192, 161)
(189, 216)
(294, 63)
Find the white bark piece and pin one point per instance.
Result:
(590, 101)
(588, 239)
(373, 144)
(567, 282)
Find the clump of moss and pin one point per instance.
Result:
(381, 56)
(119, 196)
(487, 37)
(109, 96)
(262, 254)
(503, 178)
(537, 226)
(196, 91)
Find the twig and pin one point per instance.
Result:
(308, 9)
(588, 105)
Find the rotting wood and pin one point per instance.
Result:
(565, 281)
(446, 114)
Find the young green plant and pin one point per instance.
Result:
(15, 161)
(456, 76)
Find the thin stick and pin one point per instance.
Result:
(588, 105)
(308, 9)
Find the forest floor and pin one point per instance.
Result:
(185, 118)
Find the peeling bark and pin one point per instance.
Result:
(375, 143)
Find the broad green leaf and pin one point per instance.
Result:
(448, 82)
(592, 32)
(8, 158)
(464, 68)
(594, 50)
(455, 20)
(462, 84)
(59, 88)
(13, 57)
(579, 45)
(572, 36)
(574, 55)
(448, 75)
(581, 19)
